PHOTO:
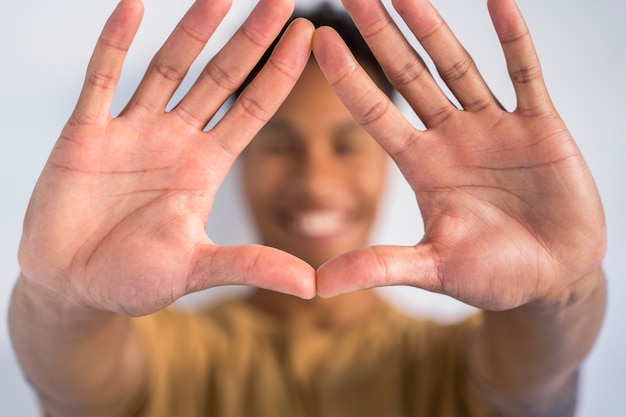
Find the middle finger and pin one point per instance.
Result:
(403, 66)
(453, 62)
(170, 65)
(229, 68)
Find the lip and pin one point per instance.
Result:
(318, 223)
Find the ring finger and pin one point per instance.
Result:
(403, 66)
(230, 67)
(453, 62)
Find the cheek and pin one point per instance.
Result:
(372, 180)
(261, 182)
(371, 197)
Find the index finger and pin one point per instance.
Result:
(367, 103)
(404, 67)
(262, 98)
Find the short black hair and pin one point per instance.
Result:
(327, 15)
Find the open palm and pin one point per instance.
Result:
(117, 218)
(510, 209)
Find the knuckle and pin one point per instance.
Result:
(221, 77)
(379, 25)
(254, 108)
(479, 104)
(374, 112)
(101, 80)
(513, 36)
(526, 74)
(407, 74)
(188, 117)
(168, 71)
(431, 31)
(342, 75)
(255, 37)
(284, 69)
(193, 33)
(457, 70)
(440, 115)
(114, 44)
(406, 145)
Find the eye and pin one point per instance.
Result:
(348, 145)
(278, 138)
(279, 145)
(349, 140)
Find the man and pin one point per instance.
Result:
(513, 226)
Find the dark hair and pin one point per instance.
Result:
(326, 15)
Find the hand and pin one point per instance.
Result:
(511, 211)
(116, 221)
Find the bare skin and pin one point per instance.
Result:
(121, 205)
(513, 221)
(314, 179)
(116, 223)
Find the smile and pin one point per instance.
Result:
(319, 224)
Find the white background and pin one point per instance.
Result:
(45, 45)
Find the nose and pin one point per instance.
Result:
(319, 171)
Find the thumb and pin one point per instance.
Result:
(379, 266)
(254, 265)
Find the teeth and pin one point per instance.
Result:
(317, 224)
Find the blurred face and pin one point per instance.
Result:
(313, 176)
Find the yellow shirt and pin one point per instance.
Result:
(236, 361)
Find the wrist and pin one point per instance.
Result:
(530, 352)
(52, 303)
(578, 291)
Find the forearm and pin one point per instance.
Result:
(527, 359)
(80, 361)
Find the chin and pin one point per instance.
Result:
(320, 257)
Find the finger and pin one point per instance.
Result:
(230, 67)
(255, 265)
(404, 68)
(453, 62)
(260, 100)
(367, 103)
(379, 266)
(170, 65)
(105, 66)
(522, 61)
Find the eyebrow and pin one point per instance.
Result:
(348, 127)
(282, 126)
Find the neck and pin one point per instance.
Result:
(333, 313)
